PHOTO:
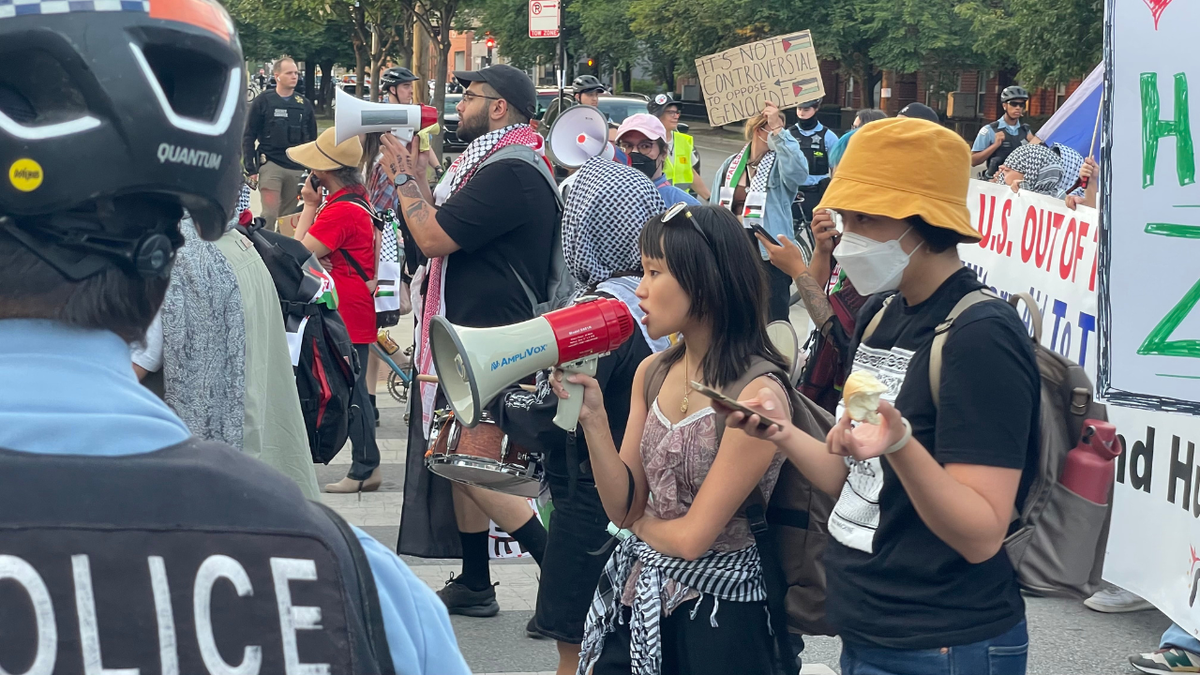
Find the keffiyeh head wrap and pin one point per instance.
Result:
(1041, 166)
(1072, 162)
(603, 219)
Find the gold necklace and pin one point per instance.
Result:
(687, 385)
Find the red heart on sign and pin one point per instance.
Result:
(1156, 8)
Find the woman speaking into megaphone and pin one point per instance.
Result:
(674, 483)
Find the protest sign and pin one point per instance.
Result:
(1151, 284)
(1035, 244)
(1154, 543)
(738, 82)
(1149, 325)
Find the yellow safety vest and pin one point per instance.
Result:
(679, 169)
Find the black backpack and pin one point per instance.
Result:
(328, 366)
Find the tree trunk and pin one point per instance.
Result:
(627, 78)
(360, 48)
(310, 79)
(868, 87)
(376, 61)
(421, 63)
(439, 87)
(325, 92)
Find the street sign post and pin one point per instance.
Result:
(543, 18)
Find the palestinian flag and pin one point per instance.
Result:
(804, 86)
(796, 42)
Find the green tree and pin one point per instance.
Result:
(1050, 44)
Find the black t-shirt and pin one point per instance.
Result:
(503, 220)
(277, 123)
(892, 581)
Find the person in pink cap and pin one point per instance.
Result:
(642, 137)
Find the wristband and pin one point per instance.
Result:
(903, 440)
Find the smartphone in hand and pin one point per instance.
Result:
(763, 423)
(759, 229)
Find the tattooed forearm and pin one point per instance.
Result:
(815, 300)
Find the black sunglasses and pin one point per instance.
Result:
(681, 212)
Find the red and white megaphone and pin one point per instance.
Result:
(355, 116)
(475, 364)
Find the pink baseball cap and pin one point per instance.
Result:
(647, 124)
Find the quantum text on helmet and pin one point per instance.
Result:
(177, 154)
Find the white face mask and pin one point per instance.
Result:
(873, 266)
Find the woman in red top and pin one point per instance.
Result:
(341, 233)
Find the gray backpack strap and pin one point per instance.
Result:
(527, 155)
(942, 332)
(656, 373)
(875, 320)
(558, 271)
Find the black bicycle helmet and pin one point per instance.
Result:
(1014, 93)
(113, 119)
(661, 102)
(585, 83)
(394, 76)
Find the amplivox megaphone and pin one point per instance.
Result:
(475, 364)
(355, 116)
(577, 135)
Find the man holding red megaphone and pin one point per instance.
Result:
(488, 231)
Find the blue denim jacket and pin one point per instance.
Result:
(787, 175)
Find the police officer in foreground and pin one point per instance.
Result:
(586, 89)
(125, 541)
(815, 141)
(278, 119)
(682, 167)
(997, 140)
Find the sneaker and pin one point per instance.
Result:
(531, 630)
(1113, 600)
(1172, 660)
(459, 599)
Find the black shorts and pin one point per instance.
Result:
(741, 644)
(569, 574)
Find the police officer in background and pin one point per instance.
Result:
(997, 140)
(131, 540)
(815, 142)
(586, 89)
(278, 119)
(397, 83)
(682, 167)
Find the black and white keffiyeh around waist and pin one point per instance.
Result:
(735, 576)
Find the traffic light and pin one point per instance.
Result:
(490, 42)
(591, 62)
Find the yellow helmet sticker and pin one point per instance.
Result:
(25, 174)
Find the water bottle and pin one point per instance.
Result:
(1089, 471)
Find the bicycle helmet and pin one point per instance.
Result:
(661, 102)
(394, 76)
(585, 83)
(1014, 93)
(114, 117)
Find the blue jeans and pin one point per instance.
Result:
(1002, 655)
(1178, 637)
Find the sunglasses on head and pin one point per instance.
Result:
(681, 213)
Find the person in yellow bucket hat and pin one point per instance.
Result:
(918, 578)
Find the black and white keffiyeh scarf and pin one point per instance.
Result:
(738, 165)
(1072, 162)
(735, 576)
(1040, 165)
(603, 219)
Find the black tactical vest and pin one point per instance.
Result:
(1011, 142)
(284, 121)
(191, 559)
(814, 149)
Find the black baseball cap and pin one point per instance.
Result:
(512, 84)
(920, 111)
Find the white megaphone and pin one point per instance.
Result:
(355, 116)
(475, 364)
(577, 135)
